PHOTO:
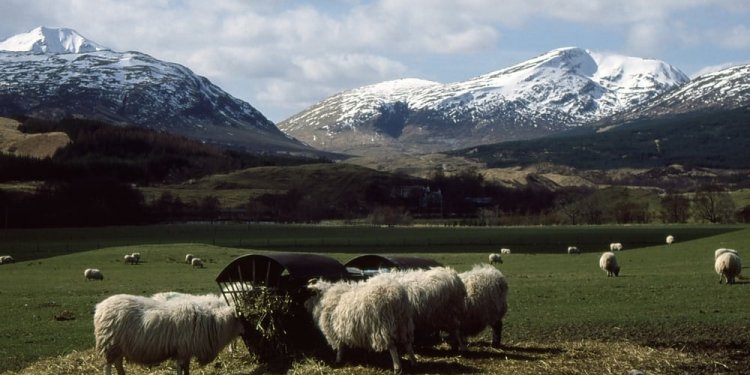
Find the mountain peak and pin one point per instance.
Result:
(50, 40)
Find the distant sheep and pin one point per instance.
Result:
(573, 250)
(724, 250)
(147, 331)
(615, 246)
(670, 239)
(728, 265)
(373, 314)
(129, 259)
(137, 257)
(495, 258)
(438, 297)
(486, 301)
(608, 264)
(505, 250)
(7, 259)
(189, 258)
(197, 263)
(93, 274)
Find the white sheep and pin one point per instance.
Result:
(728, 265)
(608, 264)
(7, 259)
(495, 258)
(147, 331)
(615, 246)
(573, 250)
(189, 258)
(723, 250)
(137, 257)
(129, 259)
(93, 274)
(486, 301)
(373, 314)
(670, 239)
(197, 263)
(438, 297)
(505, 250)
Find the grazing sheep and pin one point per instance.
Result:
(486, 302)
(373, 314)
(728, 265)
(495, 258)
(573, 250)
(189, 258)
(438, 297)
(137, 257)
(505, 250)
(147, 331)
(615, 246)
(197, 263)
(724, 250)
(608, 264)
(7, 259)
(93, 274)
(670, 239)
(129, 259)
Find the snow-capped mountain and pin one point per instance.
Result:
(560, 89)
(726, 89)
(50, 40)
(56, 73)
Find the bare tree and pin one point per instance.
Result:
(675, 208)
(713, 206)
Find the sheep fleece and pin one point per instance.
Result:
(148, 331)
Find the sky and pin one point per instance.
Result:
(284, 56)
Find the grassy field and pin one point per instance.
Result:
(665, 314)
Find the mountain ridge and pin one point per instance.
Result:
(562, 88)
(128, 88)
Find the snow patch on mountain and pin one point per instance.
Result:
(50, 40)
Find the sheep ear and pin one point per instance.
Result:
(312, 282)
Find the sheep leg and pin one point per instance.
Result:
(183, 367)
(118, 366)
(339, 352)
(497, 333)
(396, 359)
(460, 340)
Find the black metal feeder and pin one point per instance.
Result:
(268, 292)
(365, 266)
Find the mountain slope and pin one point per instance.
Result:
(129, 88)
(726, 89)
(560, 89)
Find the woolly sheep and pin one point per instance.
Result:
(724, 250)
(197, 262)
(495, 258)
(147, 331)
(93, 274)
(438, 297)
(373, 314)
(189, 258)
(486, 301)
(505, 250)
(137, 257)
(608, 264)
(615, 246)
(573, 250)
(728, 265)
(129, 259)
(670, 239)
(6, 259)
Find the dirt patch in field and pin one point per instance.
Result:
(570, 357)
(41, 145)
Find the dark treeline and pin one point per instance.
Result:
(129, 155)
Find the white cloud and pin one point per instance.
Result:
(738, 37)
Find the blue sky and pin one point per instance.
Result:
(283, 56)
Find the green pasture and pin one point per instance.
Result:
(666, 296)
